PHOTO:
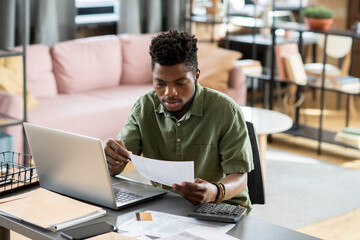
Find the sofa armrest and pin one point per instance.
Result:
(11, 105)
(237, 87)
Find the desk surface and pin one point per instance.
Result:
(247, 228)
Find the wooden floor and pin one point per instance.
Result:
(345, 226)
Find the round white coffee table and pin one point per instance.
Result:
(266, 122)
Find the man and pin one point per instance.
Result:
(180, 120)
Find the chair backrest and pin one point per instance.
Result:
(255, 177)
(338, 47)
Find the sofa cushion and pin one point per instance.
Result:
(101, 113)
(215, 64)
(11, 78)
(87, 64)
(39, 71)
(40, 77)
(136, 58)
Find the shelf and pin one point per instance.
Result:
(249, 10)
(311, 83)
(23, 17)
(6, 121)
(259, 39)
(235, 20)
(9, 53)
(247, 22)
(301, 34)
(300, 27)
(205, 19)
(313, 133)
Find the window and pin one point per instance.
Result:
(96, 12)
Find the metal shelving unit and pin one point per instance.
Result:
(298, 129)
(271, 79)
(6, 121)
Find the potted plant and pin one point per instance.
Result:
(318, 17)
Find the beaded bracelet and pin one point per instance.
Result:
(224, 189)
(218, 191)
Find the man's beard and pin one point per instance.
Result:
(173, 113)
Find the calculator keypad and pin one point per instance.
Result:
(221, 212)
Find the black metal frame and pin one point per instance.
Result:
(24, 16)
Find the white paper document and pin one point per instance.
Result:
(200, 233)
(164, 225)
(164, 172)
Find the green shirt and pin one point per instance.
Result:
(212, 133)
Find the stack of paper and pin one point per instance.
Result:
(49, 210)
(347, 84)
(164, 225)
(349, 136)
(199, 233)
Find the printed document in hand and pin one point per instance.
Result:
(164, 172)
(164, 225)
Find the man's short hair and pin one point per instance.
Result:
(174, 47)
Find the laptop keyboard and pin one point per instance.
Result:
(123, 196)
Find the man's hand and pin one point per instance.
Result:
(117, 156)
(198, 192)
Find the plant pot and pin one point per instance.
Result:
(319, 24)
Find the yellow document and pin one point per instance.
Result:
(49, 210)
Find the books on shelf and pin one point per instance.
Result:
(295, 68)
(49, 210)
(347, 84)
(250, 67)
(349, 136)
(352, 130)
(281, 51)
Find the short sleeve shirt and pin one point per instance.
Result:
(212, 133)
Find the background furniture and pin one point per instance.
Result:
(88, 86)
(266, 122)
(338, 47)
(271, 78)
(255, 177)
(6, 117)
(247, 228)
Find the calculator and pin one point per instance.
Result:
(220, 212)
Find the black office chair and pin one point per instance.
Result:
(255, 177)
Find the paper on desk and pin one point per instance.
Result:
(164, 172)
(49, 210)
(112, 236)
(200, 233)
(164, 225)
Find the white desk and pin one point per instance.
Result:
(266, 122)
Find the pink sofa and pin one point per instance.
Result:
(88, 86)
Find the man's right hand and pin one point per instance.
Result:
(117, 156)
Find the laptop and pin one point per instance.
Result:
(75, 166)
